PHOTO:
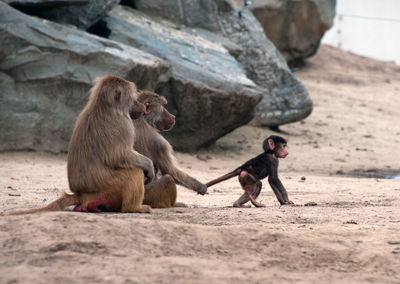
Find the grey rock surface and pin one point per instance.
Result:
(200, 14)
(208, 90)
(295, 27)
(80, 13)
(217, 69)
(46, 71)
(43, 3)
(284, 97)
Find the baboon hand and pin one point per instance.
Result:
(202, 189)
(148, 170)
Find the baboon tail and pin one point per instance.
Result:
(224, 177)
(58, 205)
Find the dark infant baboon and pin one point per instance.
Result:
(264, 165)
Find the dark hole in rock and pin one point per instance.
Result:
(100, 29)
(129, 3)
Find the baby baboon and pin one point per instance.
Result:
(262, 166)
(104, 172)
(152, 144)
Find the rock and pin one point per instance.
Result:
(295, 27)
(191, 13)
(43, 3)
(46, 71)
(208, 90)
(285, 99)
(80, 13)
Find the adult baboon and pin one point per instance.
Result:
(105, 173)
(152, 144)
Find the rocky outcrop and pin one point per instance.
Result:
(213, 66)
(80, 13)
(284, 97)
(295, 27)
(46, 71)
(200, 13)
(208, 90)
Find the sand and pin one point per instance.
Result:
(338, 160)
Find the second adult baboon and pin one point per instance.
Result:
(152, 144)
(105, 173)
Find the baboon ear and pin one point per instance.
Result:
(147, 108)
(117, 95)
(271, 144)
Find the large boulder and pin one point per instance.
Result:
(208, 90)
(36, 4)
(46, 71)
(80, 13)
(284, 97)
(191, 13)
(295, 27)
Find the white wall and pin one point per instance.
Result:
(367, 27)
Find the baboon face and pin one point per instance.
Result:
(155, 112)
(276, 144)
(281, 151)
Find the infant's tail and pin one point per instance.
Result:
(224, 177)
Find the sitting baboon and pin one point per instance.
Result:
(105, 173)
(152, 144)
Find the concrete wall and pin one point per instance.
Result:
(367, 27)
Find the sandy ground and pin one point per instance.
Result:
(338, 160)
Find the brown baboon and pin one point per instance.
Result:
(104, 172)
(264, 165)
(152, 144)
(161, 193)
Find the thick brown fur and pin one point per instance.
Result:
(102, 162)
(161, 193)
(101, 159)
(152, 144)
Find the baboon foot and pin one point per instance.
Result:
(146, 209)
(238, 205)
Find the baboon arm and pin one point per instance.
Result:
(145, 163)
(135, 159)
(278, 189)
(186, 180)
(182, 178)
